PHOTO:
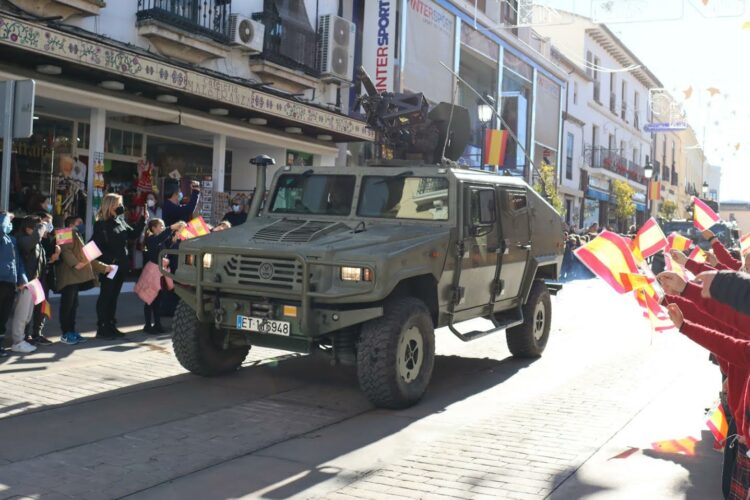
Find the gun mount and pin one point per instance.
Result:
(407, 129)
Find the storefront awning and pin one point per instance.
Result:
(98, 55)
(595, 194)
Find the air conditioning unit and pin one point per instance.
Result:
(336, 49)
(246, 33)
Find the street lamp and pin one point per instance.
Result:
(648, 170)
(648, 173)
(704, 189)
(484, 113)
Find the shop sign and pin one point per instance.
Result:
(379, 42)
(665, 127)
(25, 35)
(430, 35)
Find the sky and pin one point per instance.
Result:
(699, 50)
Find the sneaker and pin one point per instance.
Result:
(23, 347)
(80, 339)
(69, 338)
(42, 340)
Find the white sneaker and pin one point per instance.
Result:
(23, 347)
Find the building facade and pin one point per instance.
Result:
(130, 94)
(614, 112)
(713, 182)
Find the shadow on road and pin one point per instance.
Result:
(304, 382)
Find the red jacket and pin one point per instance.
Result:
(724, 257)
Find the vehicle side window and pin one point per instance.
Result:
(482, 207)
(517, 200)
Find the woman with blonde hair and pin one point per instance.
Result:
(111, 235)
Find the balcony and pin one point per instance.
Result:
(288, 60)
(193, 31)
(60, 8)
(612, 161)
(597, 91)
(636, 120)
(613, 103)
(624, 112)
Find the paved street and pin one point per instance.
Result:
(124, 420)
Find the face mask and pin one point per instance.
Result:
(81, 228)
(7, 225)
(120, 210)
(151, 203)
(180, 196)
(236, 208)
(50, 227)
(49, 207)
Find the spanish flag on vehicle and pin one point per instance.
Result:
(703, 216)
(650, 239)
(609, 256)
(495, 142)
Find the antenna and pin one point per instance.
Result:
(449, 131)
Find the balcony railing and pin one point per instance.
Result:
(289, 40)
(209, 18)
(612, 160)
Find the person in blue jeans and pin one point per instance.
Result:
(12, 273)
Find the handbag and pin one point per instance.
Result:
(149, 284)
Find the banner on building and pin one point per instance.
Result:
(654, 190)
(379, 42)
(430, 35)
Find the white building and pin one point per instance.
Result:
(195, 88)
(614, 109)
(713, 179)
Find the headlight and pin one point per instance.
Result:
(207, 260)
(356, 274)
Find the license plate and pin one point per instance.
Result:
(262, 325)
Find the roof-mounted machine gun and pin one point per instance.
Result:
(405, 125)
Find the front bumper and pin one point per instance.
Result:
(221, 301)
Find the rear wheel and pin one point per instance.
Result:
(529, 339)
(396, 354)
(198, 346)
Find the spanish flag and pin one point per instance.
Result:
(657, 315)
(495, 142)
(199, 226)
(745, 244)
(650, 239)
(684, 446)
(654, 190)
(47, 309)
(703, 216)
(634, 248)
(64, 236)
(717, 423)
(671, 265)
(698, 255)
(676, 241)
(633, 281)
(608, 256)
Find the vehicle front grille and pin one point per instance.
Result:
(280, 274)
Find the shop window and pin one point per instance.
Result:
(481, 74)
(516, 113)
(480, 5)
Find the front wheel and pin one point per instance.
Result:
(529, 339)
(198, 346)
(396, 354)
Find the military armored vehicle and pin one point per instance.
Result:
(365, 262)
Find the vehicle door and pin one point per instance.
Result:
(480, 245)
(516, 240)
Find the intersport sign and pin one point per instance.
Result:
(379, 42)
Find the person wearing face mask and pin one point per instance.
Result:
(111, 235)
(237, 215)
(173, 211)
(46, 277)
(12, 273)
(152, 207)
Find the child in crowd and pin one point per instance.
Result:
(74, 272)
(34, 333)
(29, 236)
(12, 274)
(157, 239)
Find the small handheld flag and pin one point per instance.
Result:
(650, 239)
(47, 309)
(671, 265)
(196, 227)
(608, 256)
(64, 236)
(703, 216)
(633, 281)
(676, 241)
(717, 424)
(684, 446)
(698, 255)
(91, 251)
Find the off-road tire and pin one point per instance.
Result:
(197, 347)
(380, 342)
(529, 339)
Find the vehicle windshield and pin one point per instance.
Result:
(404, 197)
(309, 193)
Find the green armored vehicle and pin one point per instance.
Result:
(366, 262)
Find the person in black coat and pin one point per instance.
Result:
(237, 216)
(728, 287)
(111, 235)
(158, 238)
